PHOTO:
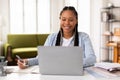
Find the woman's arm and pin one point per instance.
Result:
(89, 57)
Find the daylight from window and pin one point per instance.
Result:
(28, 16)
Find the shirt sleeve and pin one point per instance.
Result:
(33, 61)
(50, 41)
(89, 57)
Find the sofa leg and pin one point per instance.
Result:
(9, 54)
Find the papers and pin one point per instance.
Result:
(16, 69)
(105, 69)
(100, 72)
(108, 66)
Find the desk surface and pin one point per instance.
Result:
(31, 74)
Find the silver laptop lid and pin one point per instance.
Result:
(59, 60)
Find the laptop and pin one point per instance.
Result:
(59, 60)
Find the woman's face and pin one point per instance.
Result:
(68, 21)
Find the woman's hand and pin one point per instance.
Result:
(22, 64)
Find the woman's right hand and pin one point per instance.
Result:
(22, 64)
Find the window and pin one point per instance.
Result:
(26, 16)
(44, 16)
(33, 16)
(16, 16)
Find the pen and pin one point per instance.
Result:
(19, 58)
(113, 70)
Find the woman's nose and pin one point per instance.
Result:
(67, 22)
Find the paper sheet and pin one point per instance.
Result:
(16, 69)
(107, 65)
(102, 72)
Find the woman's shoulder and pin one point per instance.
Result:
(82, 34)
(52, 35)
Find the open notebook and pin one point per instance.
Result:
(111, 67)
(104, 69)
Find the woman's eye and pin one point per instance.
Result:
(63, 19)
(71, 20)
(67, 20)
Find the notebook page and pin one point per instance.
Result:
(107, 65)
(16, 69)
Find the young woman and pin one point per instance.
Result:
(67, 36)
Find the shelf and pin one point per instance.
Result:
(112, 44)
(112, 7)
(107, 33)
(116, 34)
(113, 20)
(110, 20)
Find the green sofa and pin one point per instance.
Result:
(24, 45)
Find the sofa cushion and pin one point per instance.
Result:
(22, 40)
(24, 45)
(25, 52)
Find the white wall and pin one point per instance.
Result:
(4, 13)
(4, 27)
(56, 7)
(95, 26)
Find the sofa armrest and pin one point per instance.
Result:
(8, 52)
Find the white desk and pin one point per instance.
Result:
(18, 74)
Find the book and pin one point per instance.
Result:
(102, 73)
(104, 69)
(111, 67)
